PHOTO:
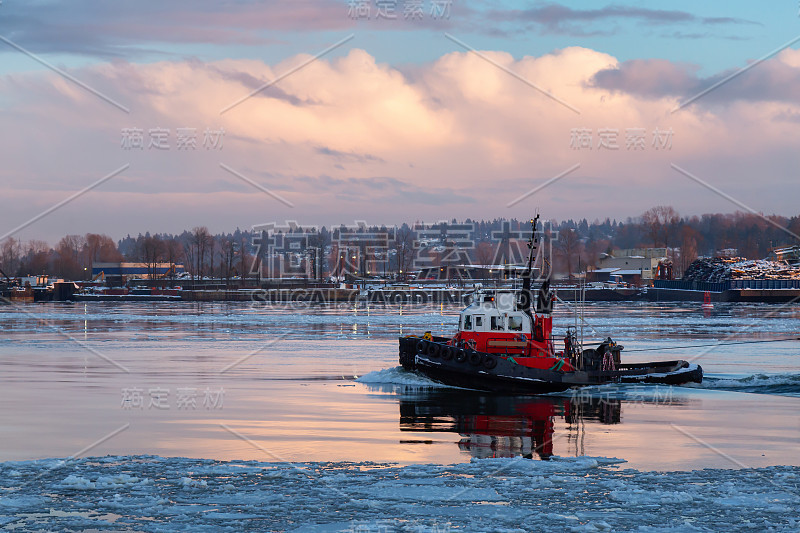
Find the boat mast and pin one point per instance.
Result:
(525, 299)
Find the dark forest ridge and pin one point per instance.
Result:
(576, 245)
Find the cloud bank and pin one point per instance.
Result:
(350, 138)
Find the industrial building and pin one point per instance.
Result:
(790, 254)
(500, 272)
(637, 265)
(121, 273)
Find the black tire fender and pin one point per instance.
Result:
(433, 349)
(475, 358)
(489, 361)
(447, 353)
(461, 355)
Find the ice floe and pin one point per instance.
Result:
(146, 493)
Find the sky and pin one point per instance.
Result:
(128, 117)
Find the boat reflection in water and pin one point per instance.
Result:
(507, 426)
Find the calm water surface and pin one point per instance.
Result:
(234, 381)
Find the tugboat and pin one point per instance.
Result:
(503, 346)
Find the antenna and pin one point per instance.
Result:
(532, 244)
(525, 298)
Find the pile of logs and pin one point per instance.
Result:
(716, 269)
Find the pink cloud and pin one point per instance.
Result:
(772, 80)
(123, 28)
(352, 138)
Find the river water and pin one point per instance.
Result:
(274, 383)
(236, 417)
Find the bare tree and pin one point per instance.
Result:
(68, 263)
(569, 248)
(37, 257)
(404, 246)
(245, 261)
(316, 245)
(173, 252)
(10, 255)
(336, 260)
(98, 248)
(484, 253)
(594, 248)
(660, 222)
(202, 242)
(189, 254)
(689, 240)
(227, 254)
(152, 254)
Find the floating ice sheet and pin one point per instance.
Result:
(147, 493)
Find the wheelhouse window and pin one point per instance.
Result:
(497, 323)
(515, 323)
(467, 322)
(478, 321)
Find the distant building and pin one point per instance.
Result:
(121, 273)
(614, 275)
(643, 252)
(642, 263)
(473, 272)
(790, 254)
(38, 281)
(646, 267)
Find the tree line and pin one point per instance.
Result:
(579, 243)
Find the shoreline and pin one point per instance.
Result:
(444, 296)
